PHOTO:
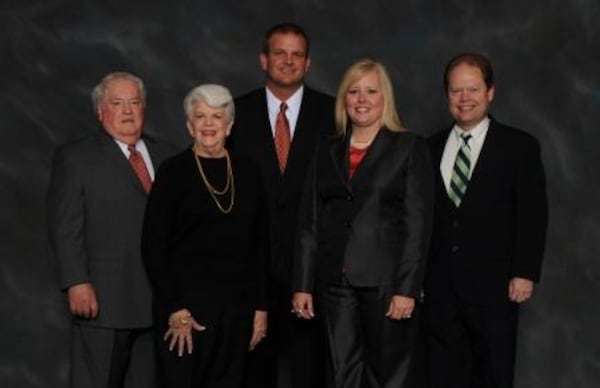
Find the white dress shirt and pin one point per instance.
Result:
(478, 134)
(292, 112)
(140, 146)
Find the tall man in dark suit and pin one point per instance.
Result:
(292, 354)
(488, 236)
(96, 203)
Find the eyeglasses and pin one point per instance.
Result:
(125, 104)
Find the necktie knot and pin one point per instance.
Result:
(283, 107)
(465, 138)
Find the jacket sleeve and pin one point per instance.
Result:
(261, 248)
(156, 234)
(303, 277)
(418, 212)
(66, 218)
(531, 211)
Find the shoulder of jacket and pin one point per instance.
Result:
(514, 134)
(317, 95)
(252, 95)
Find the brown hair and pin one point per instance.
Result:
(473, 59)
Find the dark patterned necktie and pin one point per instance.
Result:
(461, 171)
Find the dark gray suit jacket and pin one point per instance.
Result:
(375, 227)
(95, 211)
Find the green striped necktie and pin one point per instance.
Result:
(461, 171)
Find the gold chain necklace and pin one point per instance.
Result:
(214, 192)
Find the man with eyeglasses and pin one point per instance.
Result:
(96, 203)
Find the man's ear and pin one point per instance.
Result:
(262, 57)
(490, 93)
(307, 66)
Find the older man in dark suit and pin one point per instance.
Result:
(278, 126)
(96, 203)
(488, 236)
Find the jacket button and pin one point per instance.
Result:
(455, 224)
(347, 224)
(454, 248)
(349, 197)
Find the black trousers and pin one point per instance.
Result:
(293, 354)
(368, 349)
(220, 352)
(470, 346)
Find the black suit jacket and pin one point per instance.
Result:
(252, 136)
(375, 227)
(499, 230)
(95, 211)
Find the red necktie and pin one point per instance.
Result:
(137, 162)
(282, 137)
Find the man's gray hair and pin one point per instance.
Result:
(100, 89)
(213, 95)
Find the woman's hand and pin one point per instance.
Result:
(401, 307)
(259, 330)
(181, 324)
(302, 305)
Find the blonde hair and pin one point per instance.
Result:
(357, 70)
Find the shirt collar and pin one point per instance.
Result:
(293, 102)
(476, 132)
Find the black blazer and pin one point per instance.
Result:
(95, 212)
(499, 230)
(375, 227)
(252, 136)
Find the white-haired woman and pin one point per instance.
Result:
(204, 246)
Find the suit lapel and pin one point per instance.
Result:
(301, 148)
(157, 154)
(338, 151)
(113, 154)
(486, 158)
(301, 141)
(437, 151)
(265, 139)
(368, 165)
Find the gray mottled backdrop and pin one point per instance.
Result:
(546, 55)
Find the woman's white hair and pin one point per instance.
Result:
(213, 95)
